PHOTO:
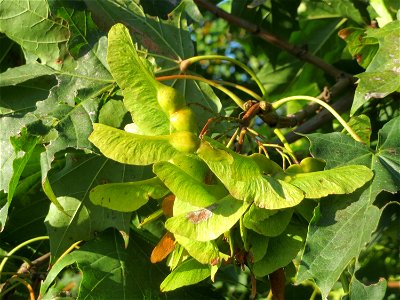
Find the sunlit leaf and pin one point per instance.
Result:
(324, 9)
(127, 196)
(203, 252)
(208, 223)
(130, 148)
(184, 186)
(382, 75)
(170, 37)
(309, 164)
(362, 126)
(361, 47)
(136, 81)
(189, 272)
(249, 178)
(342, 180)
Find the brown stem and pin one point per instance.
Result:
(29, 268)
(239, 145)
(205, 127)
(277, 281)
(393, 285)
(263, 34)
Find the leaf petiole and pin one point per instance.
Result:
(346, 126)
(241, 88)
(72, 247)
(187, 62)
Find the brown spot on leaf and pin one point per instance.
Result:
(201, 215)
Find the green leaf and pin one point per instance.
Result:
(281, 250)
(13, 158)
(33, 206)
(82, 220)
(361, 47)
(342, 180)
(127, 196)
(188, 273)
(184, 186)
(258, 245)
(70, 121)
(23, 73)
(16, 101)
(136, 81)
(193, 166)
(203, 252)
(323, 9)
(330, 245)
(169, 38)
(84, 32)
(307, 165)
(130, 148)
(249, 178)
(359, 291)
(26, 21)
(112, 113)
(109, 271)
(382, 75)
(362, 126)
(24, 145)
(267, 222)
(208, 223)
(70, 130)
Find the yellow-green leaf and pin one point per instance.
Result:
(127, 196)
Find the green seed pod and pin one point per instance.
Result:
(184, 141)
(169, 99)
(183, 120)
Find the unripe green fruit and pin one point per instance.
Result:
(183, 120)
(169, 99)
(184, 141)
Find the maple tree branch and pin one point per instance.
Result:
(273, 40)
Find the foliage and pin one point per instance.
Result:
(122, 145)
